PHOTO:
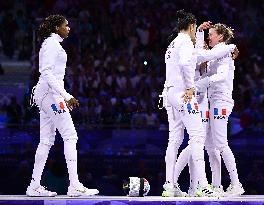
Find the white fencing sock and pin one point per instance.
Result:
(170, 159)
(40, 161)
(182, 161)
(215, 164)
(193, 176)
(230, 164)
(70, 153)
(197, 153)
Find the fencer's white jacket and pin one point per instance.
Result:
(220, 75)
(52, 65)
(181, 59)
(180, 63)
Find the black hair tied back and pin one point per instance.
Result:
(180, 14)
(184, 19)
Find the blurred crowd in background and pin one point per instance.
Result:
(116, 70)
(116, 56)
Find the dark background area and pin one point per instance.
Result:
(116, 69)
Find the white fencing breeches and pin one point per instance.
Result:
(214, 155)
(176, 134)
(188, 115)
(219, 113)
(54, 114)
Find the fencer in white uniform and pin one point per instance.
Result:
(214, 156)
(53, 101)
(219, 82)
(180, 70)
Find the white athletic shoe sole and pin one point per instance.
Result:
(82, 191)
(39, 191)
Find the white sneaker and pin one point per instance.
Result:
(191, 192)
(235, 190)
(219, 191)
(39, 191)
(171, 190)
(178, 192)
(168, 190)
(81, 190)
(205, 192)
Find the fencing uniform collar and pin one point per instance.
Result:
(184, 35)
(57, 37)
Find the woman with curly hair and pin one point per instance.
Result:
(55, 105)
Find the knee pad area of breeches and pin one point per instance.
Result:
(175, 140)
(48, 141)
(68, 133)
(197, 148)
(42, 151)
(171, 153)
(214, 157)
(222, 148)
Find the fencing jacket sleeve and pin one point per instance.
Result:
(50, 53)
(222, 72)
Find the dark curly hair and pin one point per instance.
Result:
(184, 19)
(49, 25)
